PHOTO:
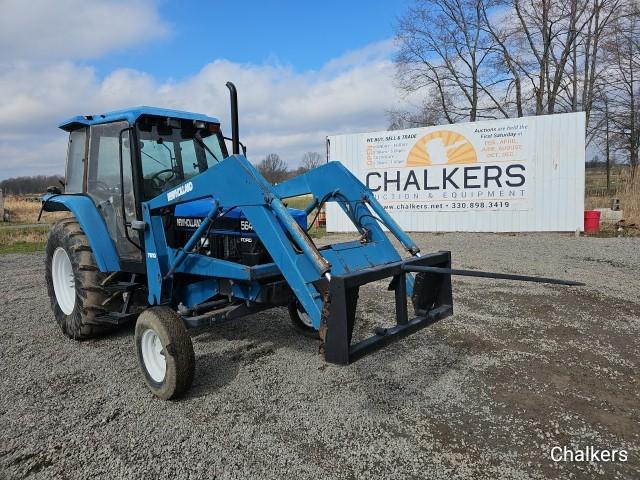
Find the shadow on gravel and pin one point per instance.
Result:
(272, 327)
(213, 371)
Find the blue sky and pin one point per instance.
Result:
(303, 35)
(304, 70)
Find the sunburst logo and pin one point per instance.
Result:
(441, 147)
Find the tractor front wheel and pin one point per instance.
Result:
(165, 352)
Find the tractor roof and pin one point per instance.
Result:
(131, 115)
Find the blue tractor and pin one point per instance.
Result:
(169, 229)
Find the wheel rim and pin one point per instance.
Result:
(305, 318)
(153, 355)
(64, 282)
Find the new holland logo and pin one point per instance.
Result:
(178, 192)
(188, 222)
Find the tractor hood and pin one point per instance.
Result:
(190, 214)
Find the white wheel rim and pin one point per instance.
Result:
(153, 355)
(64, 283)
(305, 318)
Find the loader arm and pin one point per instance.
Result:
(312, 274)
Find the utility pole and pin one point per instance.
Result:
(606, 113)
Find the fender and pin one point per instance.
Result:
(92, 224)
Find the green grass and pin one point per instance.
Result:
(317, 232)
(22, 247)
(23, 240)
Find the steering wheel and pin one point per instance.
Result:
(154, 178)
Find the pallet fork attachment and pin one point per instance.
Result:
(432, 301)
(495, 275)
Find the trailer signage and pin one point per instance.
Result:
(452, 168)
(465, 176)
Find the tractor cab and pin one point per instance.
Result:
(122, 158)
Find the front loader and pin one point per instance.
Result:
(167, 228)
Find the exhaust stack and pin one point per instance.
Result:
(235, 139)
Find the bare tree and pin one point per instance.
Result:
(556, 47)
(475, 59)
(445, 51)
(428, 114)
(506, 62)
(311, 160)
(623, 83)
(273, 168)
(603, 13)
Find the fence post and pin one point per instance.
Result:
(1, 206)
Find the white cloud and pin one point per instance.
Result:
(46, 30)
(281, 110)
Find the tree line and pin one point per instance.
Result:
(29, 185)
(276, 170)
(473, 60)
(272, 167)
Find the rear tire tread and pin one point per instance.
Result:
(81, 323)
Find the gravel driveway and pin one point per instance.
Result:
(520, 368)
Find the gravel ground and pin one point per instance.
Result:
(487, 393)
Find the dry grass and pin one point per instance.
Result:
(22, 210)
(629, 196)
(15, 238)
(628, 191)
(596, 179)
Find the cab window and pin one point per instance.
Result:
(171, 155)
(75, 161)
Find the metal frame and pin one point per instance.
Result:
(344, 292)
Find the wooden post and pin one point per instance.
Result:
(1, 206)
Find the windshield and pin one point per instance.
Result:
(171, 155)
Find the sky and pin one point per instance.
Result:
(304, 70)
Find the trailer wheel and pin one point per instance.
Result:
(165, 352)
(302, 321)
(74, 281)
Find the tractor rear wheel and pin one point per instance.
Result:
(165, 352)
(74, 282)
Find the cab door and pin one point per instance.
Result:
(106, 190)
